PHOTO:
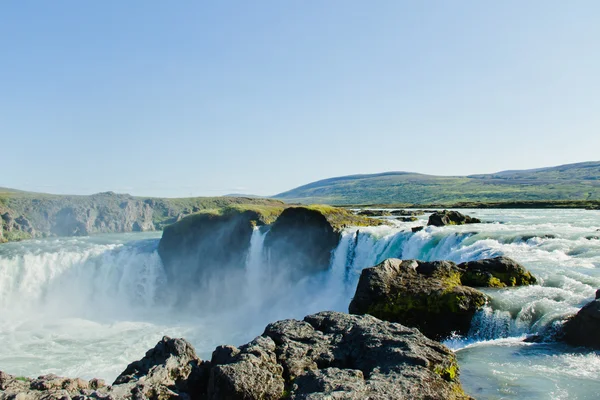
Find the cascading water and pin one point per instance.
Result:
(89, 306)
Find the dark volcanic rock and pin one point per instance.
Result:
(374, 213)
(302, 239)
(205, 251)
(417, 228)
(407, 213)
(327, 356)
(495, 272)
(442, 218)
(335, 355)
(583, 329)
(425, 295)
(407, 219)
(250, 372)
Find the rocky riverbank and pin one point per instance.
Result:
(327, 355)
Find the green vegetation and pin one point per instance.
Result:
(340, 218)
(39, 214)
(574, 185)
(266, 214)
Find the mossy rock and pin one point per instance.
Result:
(425, 295)
(495, 272)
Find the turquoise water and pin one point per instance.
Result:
(89, 306)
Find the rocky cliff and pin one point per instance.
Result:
(31, 215)
(207, 251)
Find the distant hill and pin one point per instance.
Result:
(579, 181)
(25, 215)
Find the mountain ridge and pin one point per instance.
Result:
(577, 181)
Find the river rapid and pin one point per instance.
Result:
(89, 306)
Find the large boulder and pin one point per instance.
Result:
(411, 213)
(442, 218)
(374, 213)
(583, 329)
(302, 239)
(205, 253)
(425, 295)
(495, 272)
(335, 355)
(328, 355)
(436, 297)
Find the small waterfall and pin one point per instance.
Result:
(255, 266)
(488, 324)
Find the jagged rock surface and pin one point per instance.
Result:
(328, 355)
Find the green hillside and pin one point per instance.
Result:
(573, 182)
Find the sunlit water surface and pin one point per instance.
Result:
(88, 306)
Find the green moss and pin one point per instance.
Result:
(267, 214)
(481, 279)
(340, 218)
(497, 279)
(22, 379)
(448, 373)
(15, 236)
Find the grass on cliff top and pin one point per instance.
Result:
(341, 218)
(265, 214)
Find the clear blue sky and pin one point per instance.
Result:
(180, 98)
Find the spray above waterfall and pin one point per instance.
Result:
(108, 299)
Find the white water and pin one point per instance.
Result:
(89, 306)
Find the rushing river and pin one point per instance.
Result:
(88, 306)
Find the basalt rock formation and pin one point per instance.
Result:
(206, 251)
(442, 218)
(432, 296)
(328, 355)
(583, 329)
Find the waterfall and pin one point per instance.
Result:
(255, 267)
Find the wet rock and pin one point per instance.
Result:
(425, 295)
(302, 239)
(374, 213)
(408, 213)
(406, 219)
(442, 218)
(495, 272)
(525, 238)
(417, 228)
(583, 329)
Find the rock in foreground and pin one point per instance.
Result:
(583, 329)
(443, 218)
(329, 355)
